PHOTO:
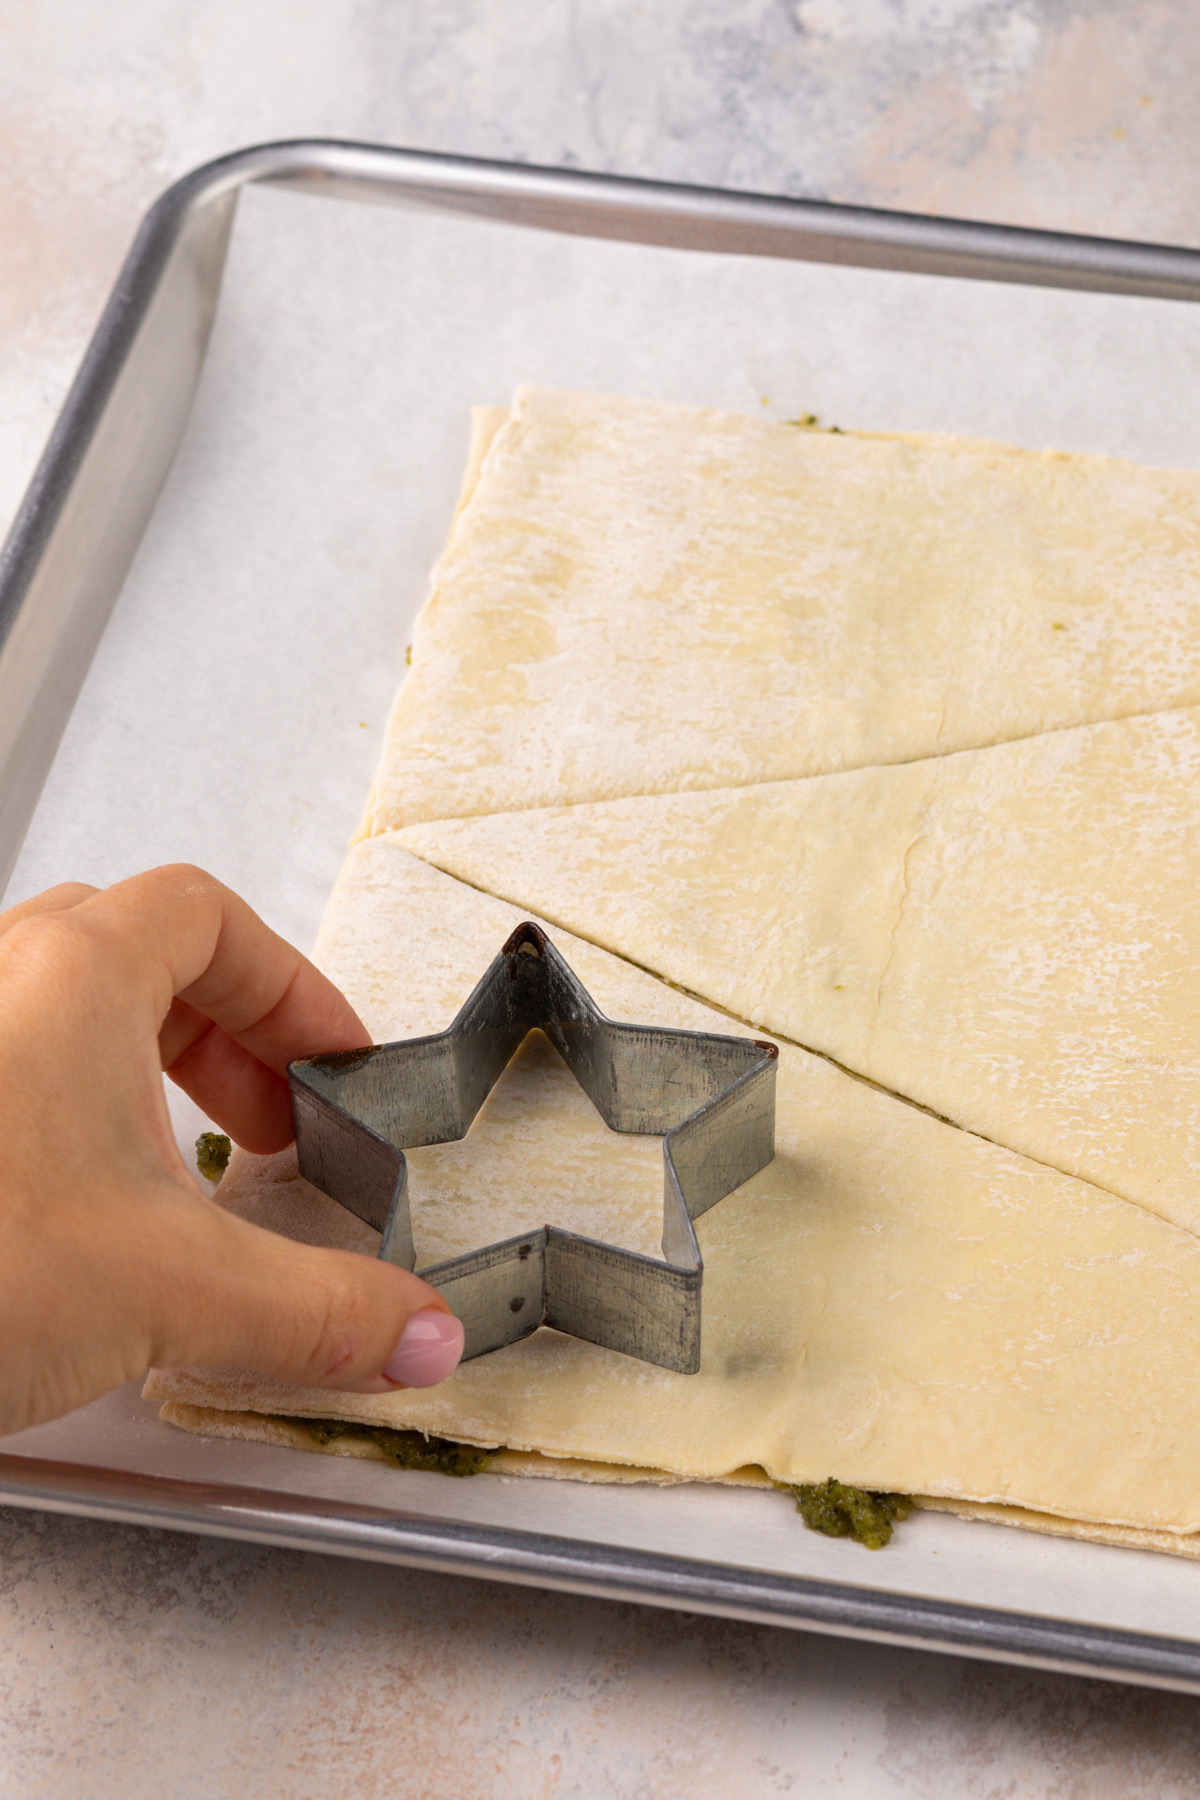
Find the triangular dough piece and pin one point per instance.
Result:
(892, 1300)
(1009, 936)
(640, 597)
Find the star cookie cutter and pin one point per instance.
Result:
(710, 1098)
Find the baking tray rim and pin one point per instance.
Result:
(193, 218)
(522, 1557)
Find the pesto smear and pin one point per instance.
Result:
(830, 1506)
(838, 1510)
(407, 1449)
(213, 1150)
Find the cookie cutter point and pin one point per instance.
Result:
(711, 1098)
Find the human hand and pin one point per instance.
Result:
(111, 1258)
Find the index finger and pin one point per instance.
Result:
(184, 934)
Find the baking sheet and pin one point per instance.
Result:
(945, 1583)
(233, 714)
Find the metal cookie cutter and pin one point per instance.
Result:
(711, 1098)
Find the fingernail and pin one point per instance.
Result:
(430, 1348)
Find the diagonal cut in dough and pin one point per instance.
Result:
(1008, 936)
(891, 1300)
(641, 597)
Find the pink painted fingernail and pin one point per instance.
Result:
(430, 1348)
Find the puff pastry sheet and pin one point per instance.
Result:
(885, 745)
(892, 1299)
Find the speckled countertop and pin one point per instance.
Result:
(143, 1664)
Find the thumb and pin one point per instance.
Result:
(236, 1293)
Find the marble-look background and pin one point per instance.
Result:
(1079, 114)
(142, 1664)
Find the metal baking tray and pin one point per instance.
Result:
(970, 1589)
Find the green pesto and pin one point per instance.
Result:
(213, 1150)
(810, 421)
(841, 1511)
(407, 1449)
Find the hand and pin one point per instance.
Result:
(111, 1258)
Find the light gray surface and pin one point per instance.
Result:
(142, 1664)
(203, 1669)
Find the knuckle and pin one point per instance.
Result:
(68, 961)
(189, 878)
(67, 893)
(55, 899)
(47, 941)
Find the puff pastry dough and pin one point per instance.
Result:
(891, 1299)
(642, 598)
(807, 723)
